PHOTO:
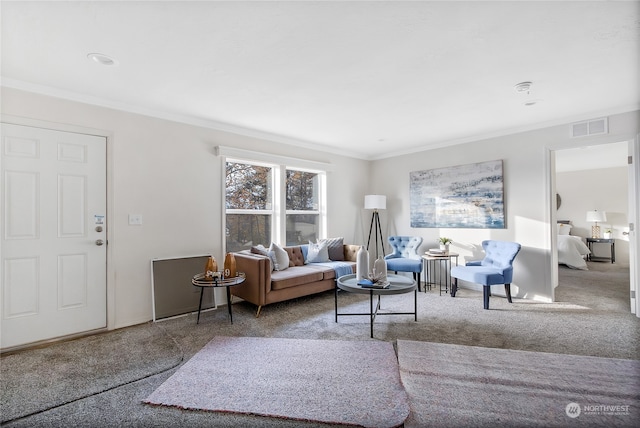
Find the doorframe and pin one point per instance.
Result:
(108, 135)
(550, 200)
(634, 257)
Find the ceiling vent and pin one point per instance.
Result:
(590, 127)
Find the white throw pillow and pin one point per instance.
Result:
(318, 253)
(281, 257)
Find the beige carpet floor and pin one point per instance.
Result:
(591, 318)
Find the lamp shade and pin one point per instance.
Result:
(375, 202)
(596, 216)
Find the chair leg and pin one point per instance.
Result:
(486, 292)
(507, 289)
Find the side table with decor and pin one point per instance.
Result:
(201, 280)
(438, 270)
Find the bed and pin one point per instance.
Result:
(571, 249)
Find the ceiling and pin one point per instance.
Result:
(364, 79)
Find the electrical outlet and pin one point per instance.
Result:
(135, 219)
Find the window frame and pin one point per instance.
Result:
(279, 166)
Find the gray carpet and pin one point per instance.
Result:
(333, 381)
(463, 386)
(35, 380)
(591, 318)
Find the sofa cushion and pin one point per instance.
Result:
(327, 271)
(336, 248)
(281, 261)
(296, 256)
(260, 249)
(294, 276)
(318, 252)
(351, 252)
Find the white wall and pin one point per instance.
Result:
(168, 172)
(603, 189)
(528, 190)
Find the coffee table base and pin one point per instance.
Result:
(373, 313)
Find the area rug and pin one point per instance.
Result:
(43, 378)
(455, 385)
(330, 381)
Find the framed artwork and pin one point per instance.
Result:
(464, 196)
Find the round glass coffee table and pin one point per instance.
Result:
(397, 285)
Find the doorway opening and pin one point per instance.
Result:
(588, 179)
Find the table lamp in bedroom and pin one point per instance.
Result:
(596, 216)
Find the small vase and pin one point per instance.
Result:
(445, 248)
(210, 268)
(230, 266)
(362, 264)
(380, 269)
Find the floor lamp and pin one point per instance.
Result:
(375, 203)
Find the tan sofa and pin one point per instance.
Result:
(264, 285)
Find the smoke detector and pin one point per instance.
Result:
(523, 87)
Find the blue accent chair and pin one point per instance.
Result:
(405, 257)
(496, 268)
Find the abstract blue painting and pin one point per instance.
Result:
(464, 196)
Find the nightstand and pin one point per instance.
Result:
(611, 242)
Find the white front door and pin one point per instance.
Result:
(53, 244)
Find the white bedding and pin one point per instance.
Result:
(571, 251)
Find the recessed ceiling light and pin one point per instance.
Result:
(102, 59)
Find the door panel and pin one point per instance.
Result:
(54, 274)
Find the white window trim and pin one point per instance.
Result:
(280, 164)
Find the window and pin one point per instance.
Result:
(249, 206)
(272, 203)
(303, 215)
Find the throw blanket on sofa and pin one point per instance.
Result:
(341, 268)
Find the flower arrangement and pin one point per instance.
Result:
(445, 241)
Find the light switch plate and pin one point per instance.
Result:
(135, 219)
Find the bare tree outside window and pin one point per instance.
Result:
(303, 215)
(248, 202)
(251, 215)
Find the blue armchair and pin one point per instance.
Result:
(496, 268)
(405, 257)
